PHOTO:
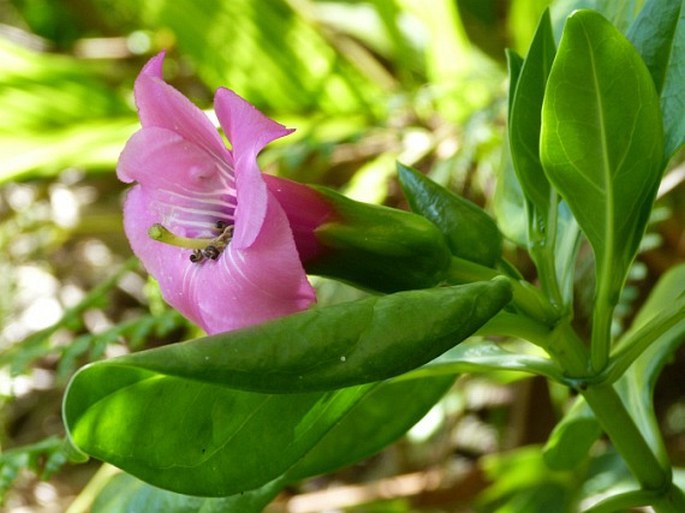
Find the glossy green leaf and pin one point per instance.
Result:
(470, 232)
(570, 441)
(187, 437)
(368, 426)
(601, 139)
(126, 494)
(525, 114)
(172, 416)
(372, 423)
(368, 340)
(601, 147)
(658, 33)
(487, 356)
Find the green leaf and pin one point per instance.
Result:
(514, 65)
(372, 423)
(602, 147)
(508, 199)
(525, 114)
(368, 426)
(601, 139)
(571, 440)
(250, 46)
(172, 416)
(470, 232)
(658, 33)
(377, 247)
(486, 356)
(362, 341)
(522, 482)
(186, 436)
(126, 494)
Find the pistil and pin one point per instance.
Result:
(203, 248)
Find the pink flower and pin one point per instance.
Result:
(200, 216)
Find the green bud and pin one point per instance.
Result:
(377, 247)
(470, 232)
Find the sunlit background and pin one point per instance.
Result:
(365, 83)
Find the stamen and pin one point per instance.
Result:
(202, 247)
(211, 252)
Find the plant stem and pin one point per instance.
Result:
(569, 350)
(601, 328)
(629, 442)
(542, 236)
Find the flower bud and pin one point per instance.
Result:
(371, 246)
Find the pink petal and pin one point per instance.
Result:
(189, 190)
(242, 288)
(246, 127)
(160, 105)
(187, 180)
(249, 131)
(169, 265)
(256, 284)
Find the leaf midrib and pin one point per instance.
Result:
(606, 167)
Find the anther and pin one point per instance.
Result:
(211, 252)
(196, 256)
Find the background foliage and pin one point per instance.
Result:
(365, 83)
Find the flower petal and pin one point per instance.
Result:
(244, 286)
(160, 105)
(246, 127)
(169, 265)
(252, 285)
(189, 190)
(249, 131)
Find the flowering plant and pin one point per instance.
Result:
(282, 390)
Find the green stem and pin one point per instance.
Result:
(569, 351)
(542, 244)
(601, 327)
(629, 442)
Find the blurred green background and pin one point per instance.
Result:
(365, 83)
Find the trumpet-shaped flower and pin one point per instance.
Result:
(200, 216)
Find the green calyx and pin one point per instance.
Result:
(379, 248)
